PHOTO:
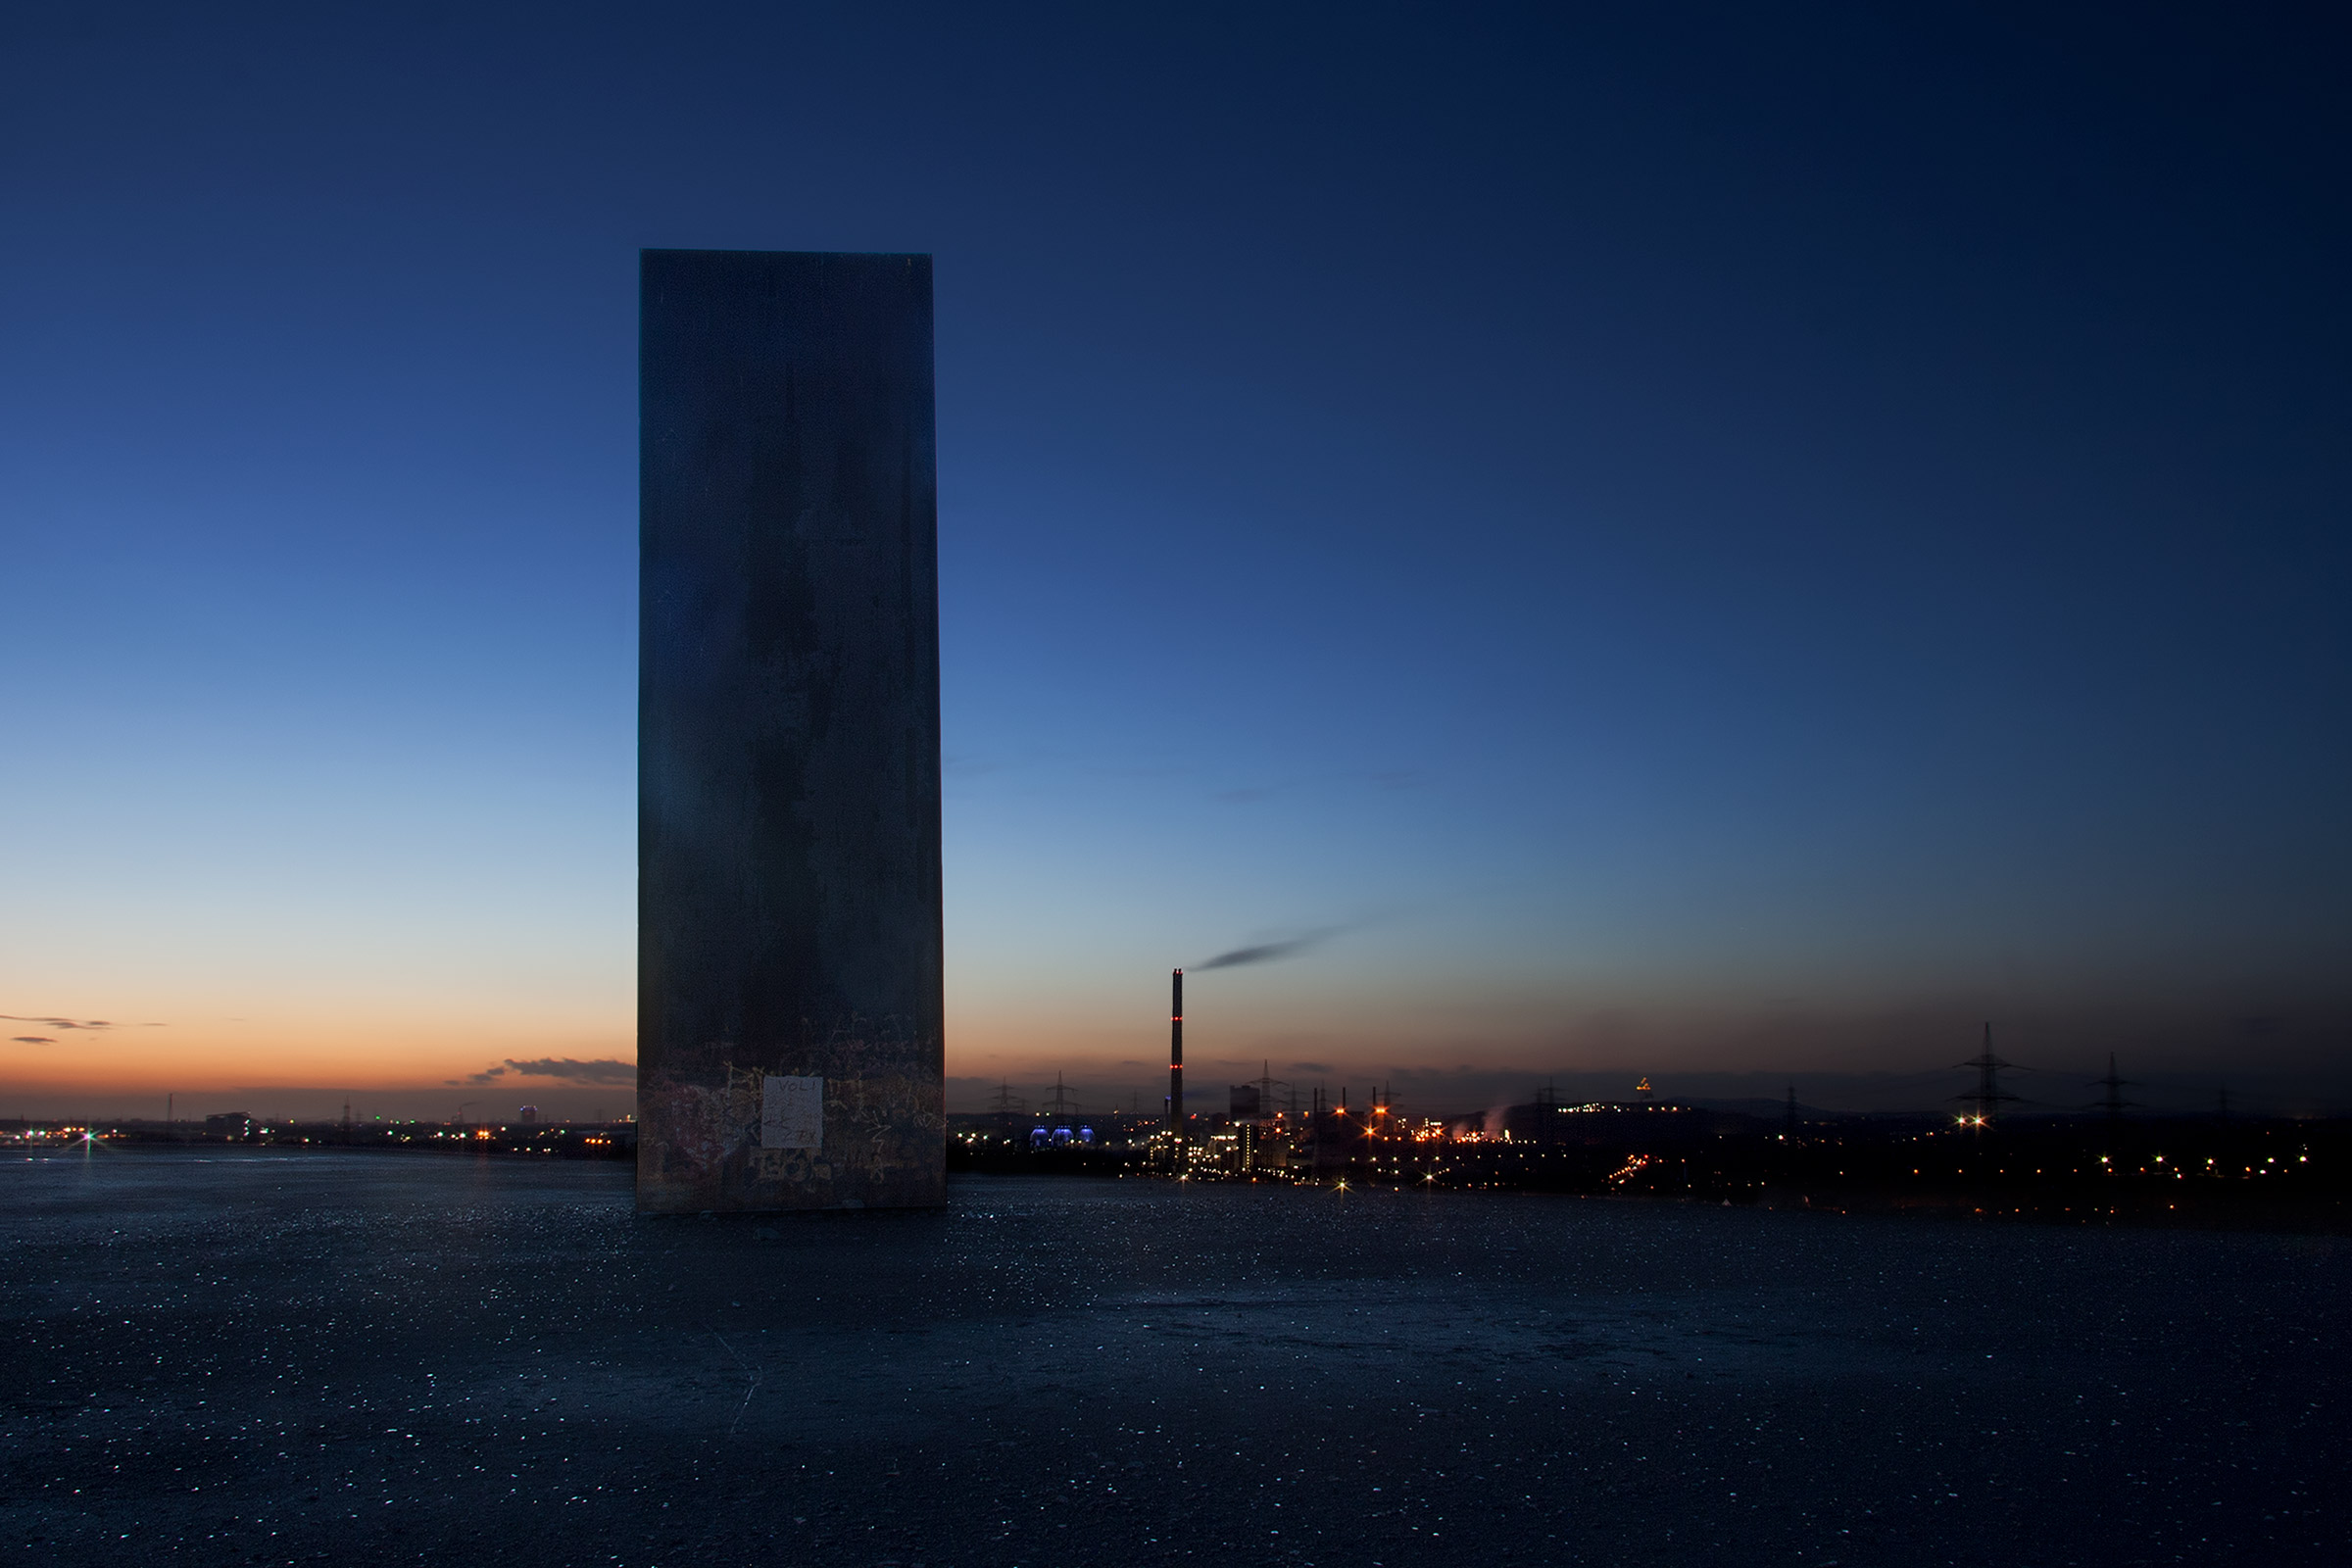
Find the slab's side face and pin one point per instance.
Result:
(789, 976)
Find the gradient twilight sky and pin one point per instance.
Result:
(1711, 539)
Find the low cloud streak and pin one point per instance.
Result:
(605, 1070)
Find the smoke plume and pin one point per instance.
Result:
(1270, 952)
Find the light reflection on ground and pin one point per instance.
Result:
(269, 1357)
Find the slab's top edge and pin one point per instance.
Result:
(663, 250)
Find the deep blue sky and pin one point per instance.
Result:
(1711, 537)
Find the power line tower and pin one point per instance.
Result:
(1009, 1106)
(2113, 1101)
(1547, 1111)
(1988, 1097)
(1062, 1107)
(1315, 1135)
(1788, 1117)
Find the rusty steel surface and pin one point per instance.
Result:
(789, 1007)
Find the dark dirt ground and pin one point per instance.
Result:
(228, 1357)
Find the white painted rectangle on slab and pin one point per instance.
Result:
(792, 1112)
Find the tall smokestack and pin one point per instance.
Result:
(1176, 1059)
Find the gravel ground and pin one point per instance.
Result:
(228, 1357)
